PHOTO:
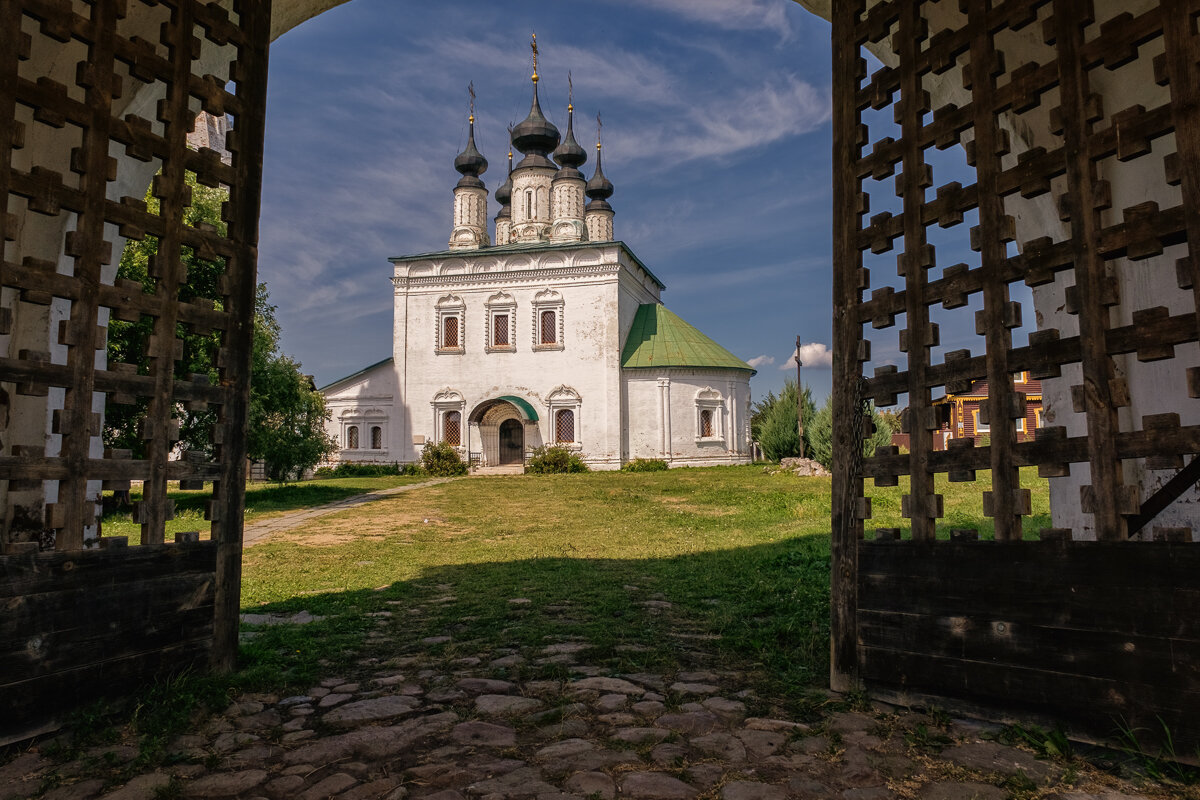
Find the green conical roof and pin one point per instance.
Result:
(660, 338)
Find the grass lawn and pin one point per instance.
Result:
(262, 501)
(650, 566)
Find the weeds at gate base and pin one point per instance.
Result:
(1163, 766)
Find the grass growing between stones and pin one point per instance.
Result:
(653, 570)
(262, 502)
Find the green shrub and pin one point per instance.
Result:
(442, 460)
(821, 434)
(351, 469)
(413, 470)
(548, 460)
(644, 465)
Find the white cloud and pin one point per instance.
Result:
(721, 126)
(741, 16)
(761, 361)
(813, 354)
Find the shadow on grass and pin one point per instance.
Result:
(763, 609)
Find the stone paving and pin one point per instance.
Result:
(257, 532)
(434, 725)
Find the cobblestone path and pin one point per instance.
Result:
(434, 725)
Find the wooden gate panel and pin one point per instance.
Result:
(1028, 91)
(97, 99)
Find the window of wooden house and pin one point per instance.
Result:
(564, 426)
(980, 427)
(452, 428)
(352, 437)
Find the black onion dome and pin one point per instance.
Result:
(569, 155)
(504, 193)
(599, 188)
(535, 136)
(470, 162)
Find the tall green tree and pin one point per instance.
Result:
(287, 414)
(773, 423)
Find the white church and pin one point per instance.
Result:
(553, 333)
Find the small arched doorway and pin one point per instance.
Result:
(506, 426)
(512, 442)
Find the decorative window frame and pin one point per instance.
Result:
(548, 300)
(450, 306)
(979, 427)
(709, 399)
(445, 401)
(365, 419)
(501, 303)
(565, 398)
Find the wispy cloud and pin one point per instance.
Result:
(761, 361)
(740, 16)
(813, 354)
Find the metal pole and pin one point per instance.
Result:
(799, 399)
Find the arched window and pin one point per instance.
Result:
(706, 423)
(352, 437)
(452, 428)
(549, 328)
(376, 437)
(529, 204)
(450, 331)
(564, 426)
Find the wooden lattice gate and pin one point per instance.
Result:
(1047, 99)
(96, 101)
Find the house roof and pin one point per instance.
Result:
(362, 371)
(526, 247)
(660, 338)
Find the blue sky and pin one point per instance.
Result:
(717, 138)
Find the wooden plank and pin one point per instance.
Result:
(1116, 564)
(922, 510)
(1095, 704)
(33, 573)
(41, 703)
(1102, 425)
(996, 639)
(249, 130)
(91, 253)
(993, 228)
(847, 332)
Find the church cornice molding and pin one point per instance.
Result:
(505, 277)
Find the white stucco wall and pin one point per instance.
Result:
(365, 400)
(663, 410)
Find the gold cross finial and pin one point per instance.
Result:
(570, 93)
(533, 45)
(599, 125)
(471, 91)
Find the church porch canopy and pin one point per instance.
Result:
(524, 408)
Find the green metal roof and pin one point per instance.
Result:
(362, 371)
(660, 338)
(522, 405)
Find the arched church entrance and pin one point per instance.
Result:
(506, 425)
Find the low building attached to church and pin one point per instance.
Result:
(554, 334)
